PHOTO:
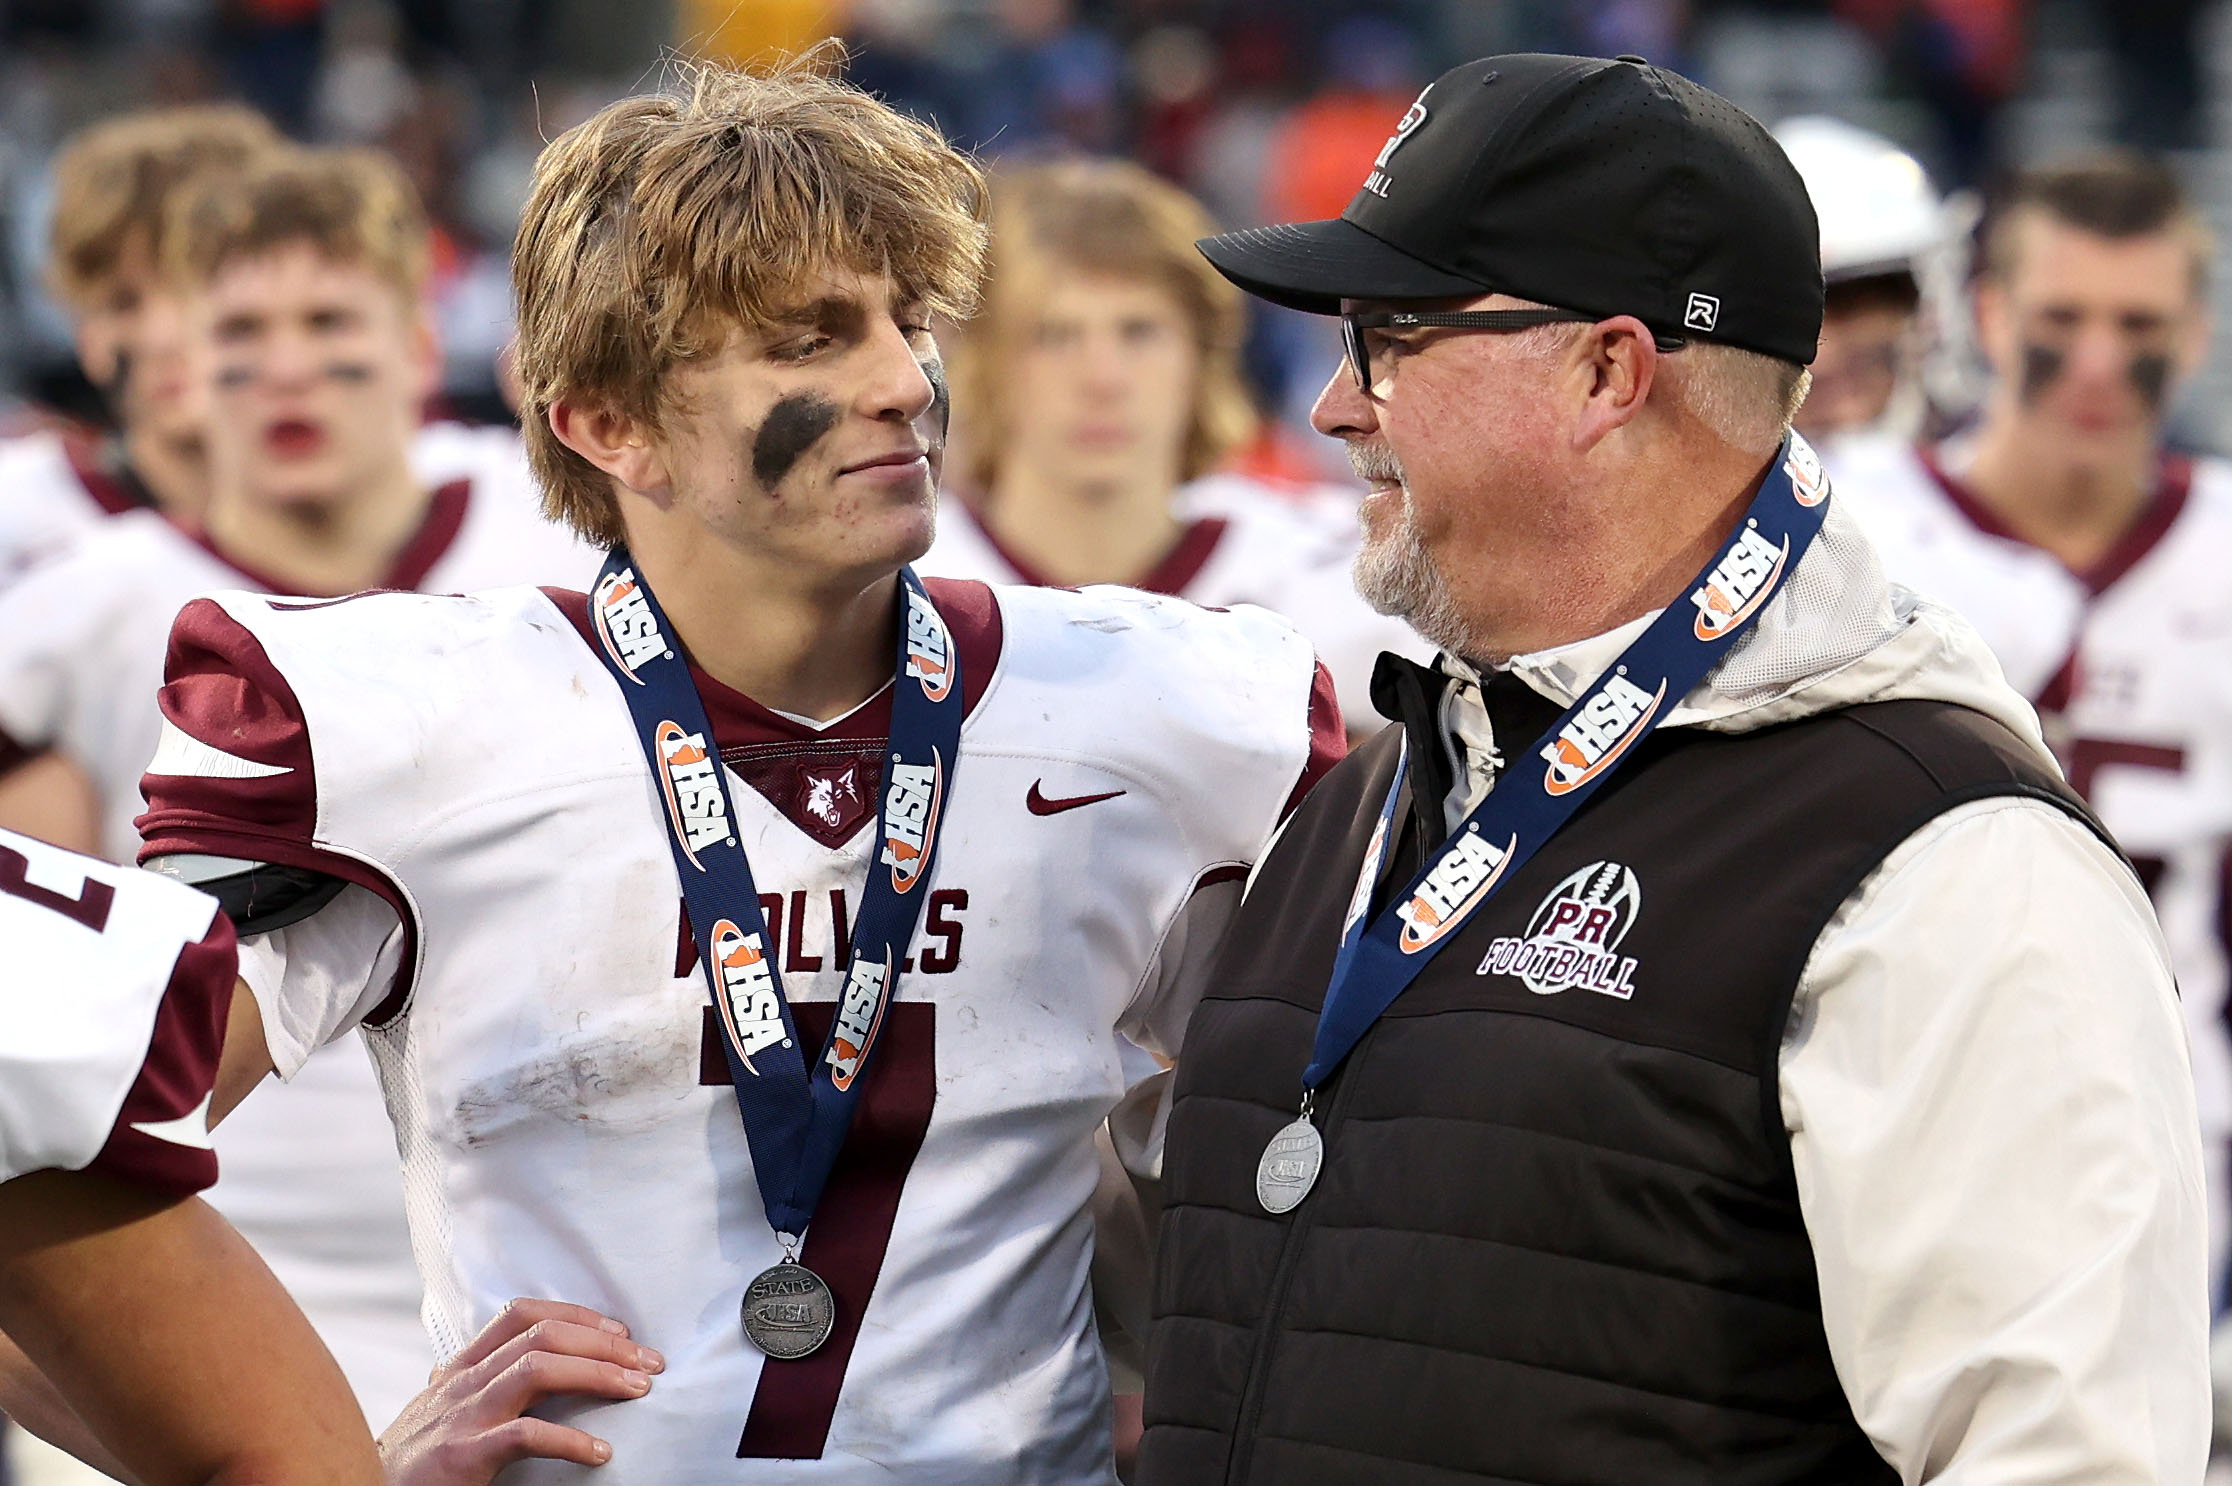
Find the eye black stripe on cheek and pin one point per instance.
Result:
(794, 425)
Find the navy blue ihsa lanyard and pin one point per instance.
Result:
(1377, 961)
(795, 1116)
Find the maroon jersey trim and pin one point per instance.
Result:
(1171, 575)
(2173, 487)
(1328, 740)
(178, 1072)
(776, 756)
(89, 457)
(222, 688)
(436, 534)
(792, 1408)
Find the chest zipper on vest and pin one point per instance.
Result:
(1282, 1275)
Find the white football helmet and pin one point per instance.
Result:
(1879, 213)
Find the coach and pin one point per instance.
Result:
(1706, 1040)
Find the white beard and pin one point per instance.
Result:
(1395, 574)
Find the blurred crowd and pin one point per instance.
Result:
(1262, 108)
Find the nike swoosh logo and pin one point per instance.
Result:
(190, 1129)
(1040, 805)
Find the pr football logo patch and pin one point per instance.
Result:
(1573, 940)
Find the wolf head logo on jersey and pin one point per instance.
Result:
(693, 790)
(1738, 584)
(859, 1017)
(625, 623)
(1464, 876)
(1599, 733)
(910, 810)
(1809, 482)
(929, 648)
(745, 986)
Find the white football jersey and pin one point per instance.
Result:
(80, 666)
(1244, 544)
(544, 1032)
(490, 455)
(56, 485)
(112, 1016)
(2130, 666)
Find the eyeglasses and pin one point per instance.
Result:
(1360, 356)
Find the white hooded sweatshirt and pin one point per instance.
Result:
(1985, 1076)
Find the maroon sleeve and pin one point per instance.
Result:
(176, 1076)
(1328, 739)
(220, 688)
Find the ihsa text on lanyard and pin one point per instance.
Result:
(795, 1113)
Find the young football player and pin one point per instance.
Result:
(111, 187)
(942, 850)
(307, 269)
(2089, 555)
(1101, 392)
(169, 1342)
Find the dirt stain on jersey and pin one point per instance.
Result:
(623, 1081)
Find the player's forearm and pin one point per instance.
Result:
(30, 1398)
(170, 1292)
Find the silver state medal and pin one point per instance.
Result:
(788, 1310)
(1290, 1166)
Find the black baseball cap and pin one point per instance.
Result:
(1607, 186)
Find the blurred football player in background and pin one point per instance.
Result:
(112, 185)
(1100, 391)
(167, 1338)
(306, 271)
(2090, 556)
(1881, 222)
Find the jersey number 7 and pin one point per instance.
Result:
(792, 1409)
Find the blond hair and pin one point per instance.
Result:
(114, 183)
(351, 205)
(666, 224)
(1103, 217)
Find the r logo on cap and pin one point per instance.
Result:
(1415, 115)
(1703, 313)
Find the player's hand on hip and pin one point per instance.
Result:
(471, 1419)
